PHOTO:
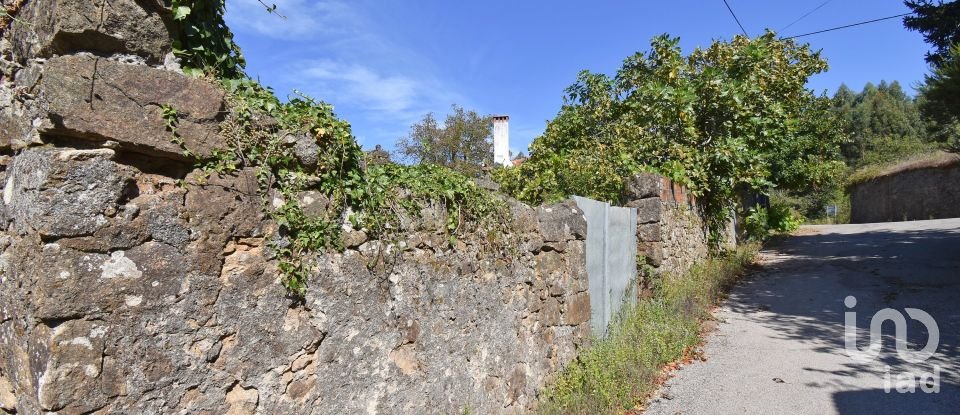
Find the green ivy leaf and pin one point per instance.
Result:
(181, 12)
(193, 72)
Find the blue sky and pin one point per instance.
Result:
(383, 64)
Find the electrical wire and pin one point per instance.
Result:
(805, 15)
(735, 18)
(847, 26)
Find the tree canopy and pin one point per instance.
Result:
(464, 142)
(882, 122)
(941, 100)
(734, 116)
(939, 23)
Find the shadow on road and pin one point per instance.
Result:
(878, 401)
(800, 294)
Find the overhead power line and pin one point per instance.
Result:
(805, 15)
(735, 18)
(848, 26)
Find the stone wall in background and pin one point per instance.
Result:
(671, 233)
(929, 191)
(122, 290)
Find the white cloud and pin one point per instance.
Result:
(302, 19)
(331, 50)
(390, 94)
(395, 97)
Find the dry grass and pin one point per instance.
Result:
(938, 159)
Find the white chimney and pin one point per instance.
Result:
(501, 140)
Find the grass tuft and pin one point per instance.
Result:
(907, 163)
(618, 372)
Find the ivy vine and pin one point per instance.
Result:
(202, 40)
(259, 128)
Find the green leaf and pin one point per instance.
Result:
(193, 72)
(181, 12)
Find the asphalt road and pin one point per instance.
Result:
(779, 343)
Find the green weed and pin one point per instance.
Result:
(618, 372)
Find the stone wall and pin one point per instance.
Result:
(129, 285)
(671, 232)
(927, 191)
(124, 292)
